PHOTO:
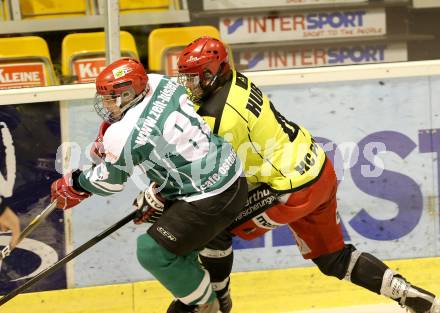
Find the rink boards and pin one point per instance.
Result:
(299, 289)
(276, 291)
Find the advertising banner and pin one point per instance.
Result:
(241, 4)
(86, 70)
(22, 75)
(29, 137)
(298, 57)
(303, 26)
(171, 58)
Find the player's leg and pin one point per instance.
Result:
(217, 258)
(168, 250)
(181, 275)
(365, 270)
(319, 236)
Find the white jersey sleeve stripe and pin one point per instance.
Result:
(107, 187)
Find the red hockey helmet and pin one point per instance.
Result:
(120, 86)
(202, 64)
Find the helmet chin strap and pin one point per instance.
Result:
(135, 101)
(214, 83)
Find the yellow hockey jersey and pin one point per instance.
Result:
(272, 149)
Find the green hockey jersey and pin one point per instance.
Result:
(174, 147)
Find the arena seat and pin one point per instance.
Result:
(4, 11)
(128, 6)
(29, 65)
(83, 55)
(31, 9)
(165, 44)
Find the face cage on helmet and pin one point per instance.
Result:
(111, 109)
(191, 81)
(108, 107)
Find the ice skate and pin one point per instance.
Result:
(225, 302)
(179, 307)
(420, 302)
(413, 298)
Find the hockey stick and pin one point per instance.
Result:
(68, 257)
(34, 223)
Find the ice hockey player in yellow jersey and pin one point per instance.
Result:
(292, 180)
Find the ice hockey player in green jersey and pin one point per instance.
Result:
(151, 123)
